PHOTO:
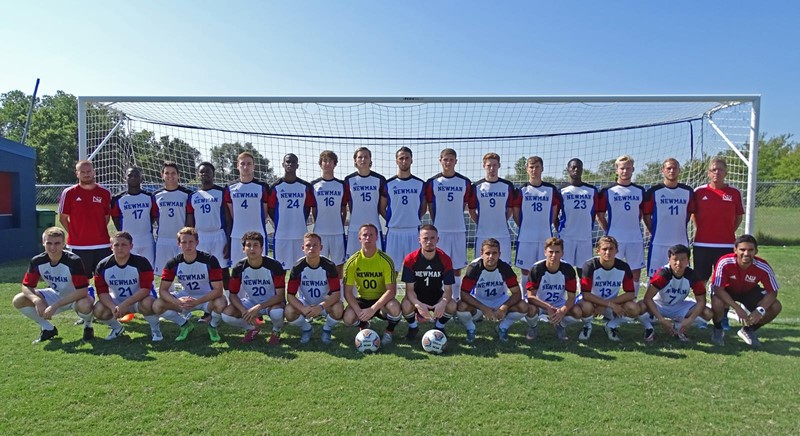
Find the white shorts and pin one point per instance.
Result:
(577, 252)
(528, 253)
(333, 248)
(505, 246)
(353, 244)
(657, 257)
(204, 306)
(454, 244)
(144, 245)
(677, 311)
(165, 251)
(213, 243)
(400, 242)
(135, 306)
(249, 304)
(632, 253)
(50, 297)
(287, 251)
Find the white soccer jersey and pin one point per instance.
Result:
(670, 209)
(536, 205)
(577, 214)
(122, 281)
(492, 200)
(623, 205)
(171, 212)
(195, 276)
(207, 207)
(447, 197)
(364, 195)
(490, 287)
(313, 285)
(291, 203)
(247, 201)
(135, 212)
(257, 284)
(606, 283)
(329, 196)
(673, 290)
(552, 287)
(404, 202)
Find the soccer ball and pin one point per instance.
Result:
(368, 341)
(434, 341)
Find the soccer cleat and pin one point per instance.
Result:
(326, 336)
(88, 333)
(156, 336)
(749, 337)
(305, 336)
(213, 334)
(718, 337)
(79, 321)
(274, 338)
(533, 333)
(206, 318)
(412, 333)
(586, 333)
(114, 334)
(46, 335)
(250, 335)
(386, 339)
(561, 332)
(186, 328)
(682, 337)
(649, 335)
(612, 333)
(502, 334)
(470, 336)
(126, 318)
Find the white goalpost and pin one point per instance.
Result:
(116, 132)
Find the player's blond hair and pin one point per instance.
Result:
(245, 154)
(622, 159)
(83, 162)
(535, 159)
(53, 232)
(607, 240)
(491, 155)
(670, 160)
(554, 242)
(188, 231)
(312, 235)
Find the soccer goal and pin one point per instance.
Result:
(116, 132)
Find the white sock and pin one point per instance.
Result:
(646, 321)
(466, 320)
(215, 319)
(113, 323)
(523, 283)
(155, 325)
(87, 319)
(457, 289)
(330, 323)
(31, 313)
(569, 320)
(511, 318)
(614, 323)
(174, 317)
(236, 322)
(532, 321)
(276, 316)
(302, 322)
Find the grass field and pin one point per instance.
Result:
(131, 385)
(778, 224)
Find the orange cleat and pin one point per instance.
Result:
(127, 318)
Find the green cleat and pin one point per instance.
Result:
(185, 330)
(213, 334)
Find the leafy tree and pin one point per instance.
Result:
(224, 159)
(520, 174)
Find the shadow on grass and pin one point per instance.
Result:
(778, 339)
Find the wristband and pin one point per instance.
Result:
(761, 310)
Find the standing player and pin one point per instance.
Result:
(490, 206)
(405, 205)
(67, 287)
(171, 201)
(447, 194)
(428, 275)
(486, 287)
(736, 280)
(717, 215)
(551, 291)
(133, 211)
(314, 290)
(330, 210)
(124, 284)
(257, 288)
(666, 300)
(623, 201)
(601, 279)
(536, 214)
(577, 215)
(366, 192)
(84, 210)
(290, 201)
(667, 207)
(371, 272)
(206, 213)
(247, 201)
(201, 277)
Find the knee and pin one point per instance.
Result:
(291, 313)
(631, 309)
(84, 305)
(463, 306)
(336, 311)
(393, 308)
(775, 308)
(406, 306)
(451, 307)
(146, 306)
(706, 314)
(19, 301)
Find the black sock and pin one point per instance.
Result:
(410, 318)
(443, 320)
(717, 324)
(391, 325)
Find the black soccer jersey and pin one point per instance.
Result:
(428, 276)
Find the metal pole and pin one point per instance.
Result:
(753, 169)
(30, 112)
(81, 128)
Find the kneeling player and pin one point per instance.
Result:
(601, 279)
(428, 275)
(256, 288)
(486, 287)
(201, 277)
(666, 301)
(314, 290)
(124, 284)
(551, 290)
(68, 287)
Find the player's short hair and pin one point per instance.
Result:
(252, 236)
(188, 231)
(718, 160)
(54, 232)
(404, 149)
(746, 238)
(430, 227)
(81, 163)
(670, 160)
(491, 155)
(207, 164)
(355, 153)
(679, 249)
(490, 242)
(122, 234)
(169, 164)
(448, 152)
(330, 155)
(554, 242)
(245, 154)
(370, 225)
(622, 159)
(312, 235)
(535, 159)
(607, 239)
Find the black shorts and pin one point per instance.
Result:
(706, 257)
(364, 304)
(750, 298)
(90, 258)
(430, 298)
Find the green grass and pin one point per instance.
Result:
(777, 225)
(131, 385)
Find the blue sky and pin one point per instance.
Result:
(408, 48)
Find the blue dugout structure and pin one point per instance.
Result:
(18, 219)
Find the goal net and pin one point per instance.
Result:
(117, 132)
